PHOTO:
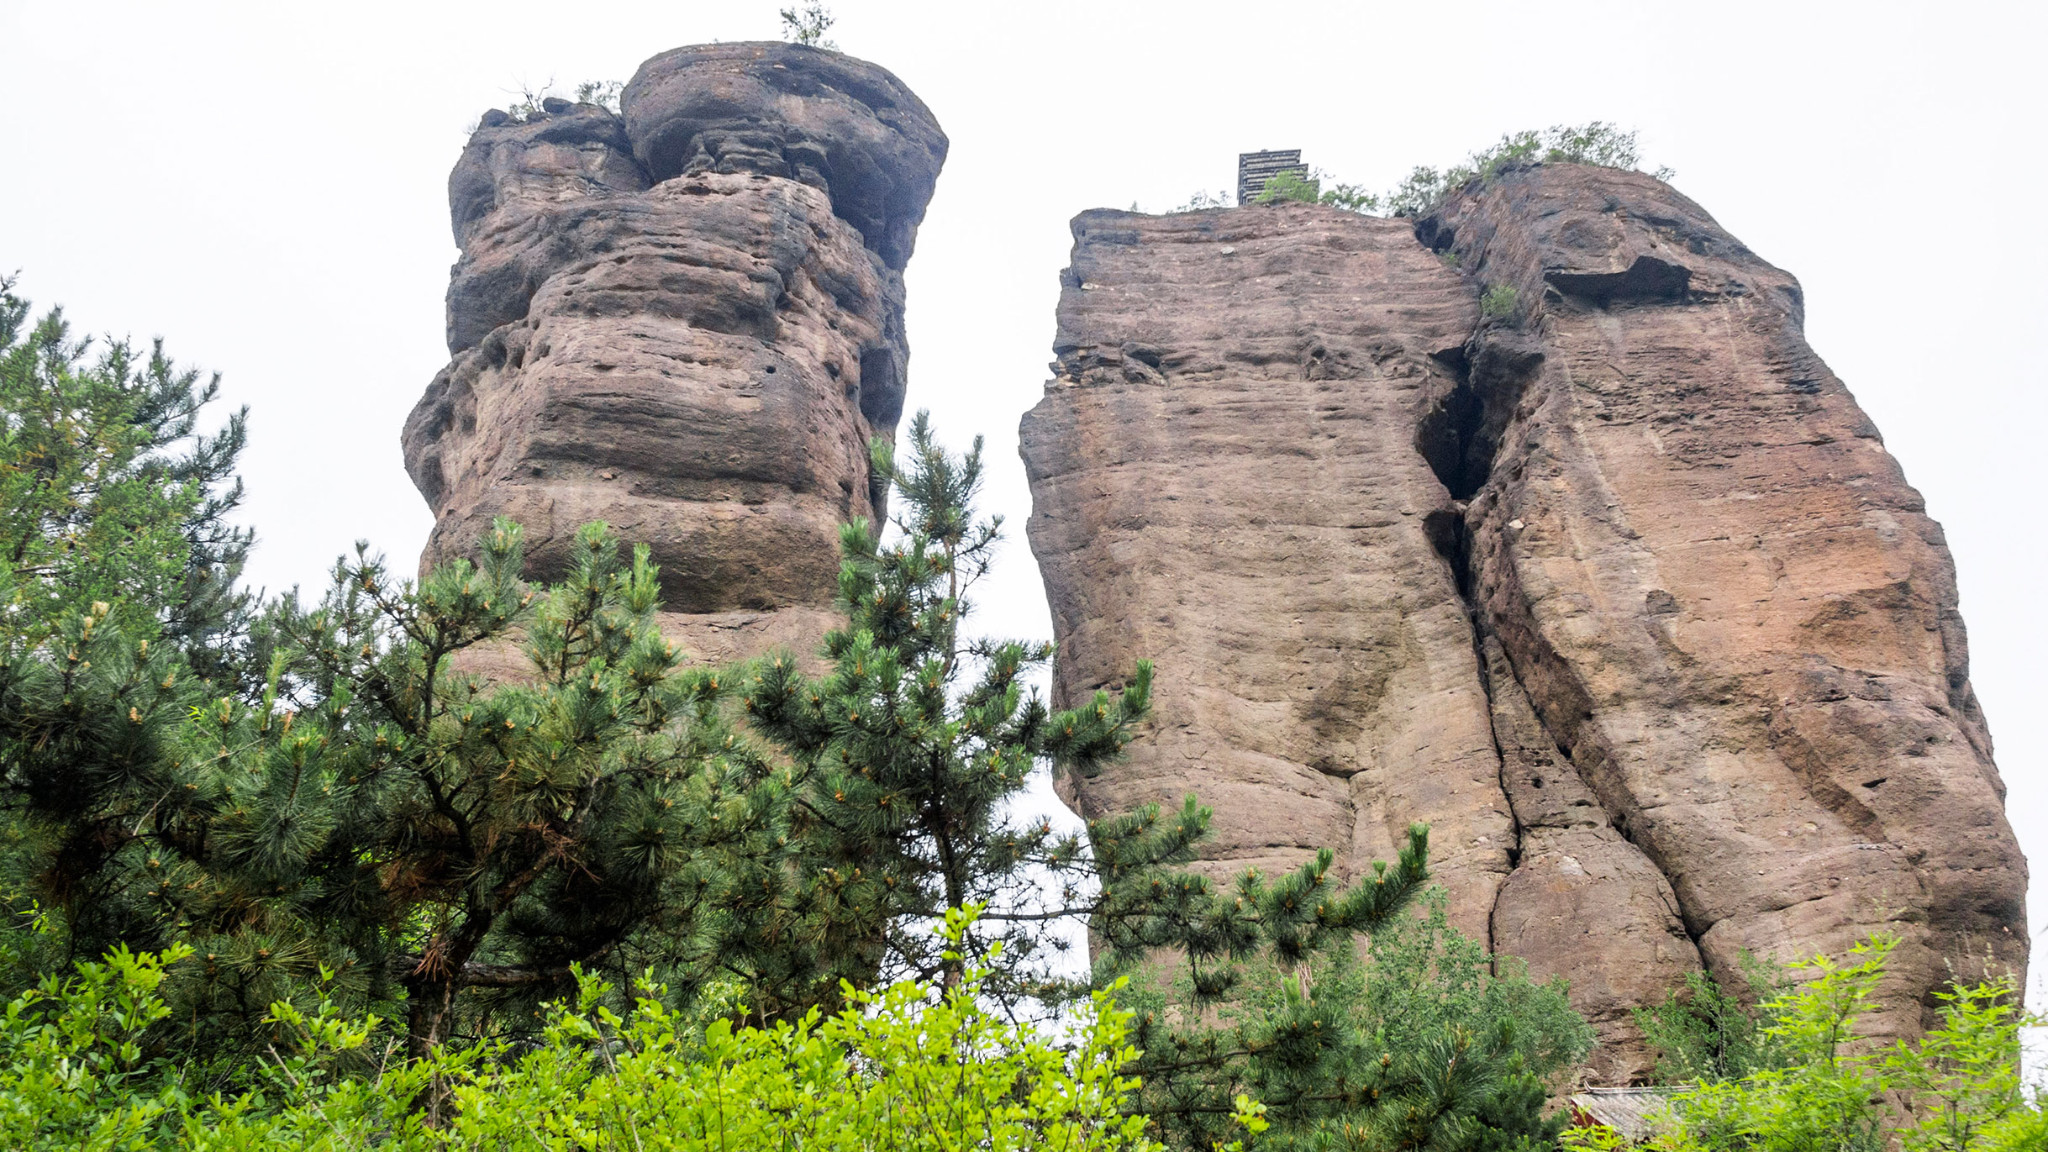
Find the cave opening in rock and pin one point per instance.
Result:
(1453, 438)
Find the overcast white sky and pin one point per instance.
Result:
(264, 184)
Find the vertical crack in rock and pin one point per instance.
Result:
(1583, 902)
(686, 321)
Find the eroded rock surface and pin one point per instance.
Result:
(686, 321)
(1620, 593)
(1726, 604)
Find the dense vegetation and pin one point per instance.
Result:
(288, 874)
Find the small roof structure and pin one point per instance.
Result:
(1633, 1113)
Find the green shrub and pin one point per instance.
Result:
(1703, 1032)
(1306, 186)
(910, 1068)
(1498, 302)
(1596, 142)
(1812, 1084)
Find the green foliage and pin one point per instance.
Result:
(117, 601)
(909, 1068)
(109, 492)
(1417, 1045)
(1702, 1032)
(72, 1069)
(603, 93)
(1798, 1078)
(380, 813)
(910, 752)
(1308, 187)
(447, 851)
(1499, 302)
(1595, 142)
(807, 23)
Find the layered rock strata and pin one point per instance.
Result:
(1615, 587)
(686, 321)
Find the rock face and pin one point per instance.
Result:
(1619, 591)
(686, 321)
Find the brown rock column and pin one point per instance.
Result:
(1614, 586)
(1725, 603)
(1240, 472)
(1224, 481)
(688, 322)
(1230, 477)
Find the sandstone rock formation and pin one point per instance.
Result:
(1620, 592)
(686, 321)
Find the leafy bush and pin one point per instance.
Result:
(1498, 302)
(1798, 1078)
(1307, 187)
(910, 1068)
(1703, 1032)
(1595, 142)
(532, 103)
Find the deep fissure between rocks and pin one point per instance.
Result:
(1451, 436)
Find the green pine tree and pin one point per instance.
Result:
(912, 750)
(117, 599)
(457, 845)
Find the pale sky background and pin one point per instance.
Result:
(265, 186)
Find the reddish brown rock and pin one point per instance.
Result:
(1621, 592)
(1226, 479)
(1725, 602)
(686, 322)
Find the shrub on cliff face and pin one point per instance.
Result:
(1791, 1074)
(1308, 188)
(1499, 302)
(1595, 142)
(807, 24)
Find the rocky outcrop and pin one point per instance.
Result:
(686, 321)
(1618, 590)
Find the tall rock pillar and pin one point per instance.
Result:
(1736, 623)
(1615, 588)
(686, 321)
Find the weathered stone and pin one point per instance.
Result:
(698, 358)
(1723, 599)
(1225, 480)
(1621, 592)
(792, 111)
